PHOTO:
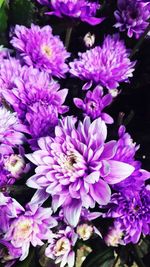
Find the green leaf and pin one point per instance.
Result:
(3, 19)
(1, 2)
(29, 261)
(102, 259)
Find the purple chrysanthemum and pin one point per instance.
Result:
(9, 209)
(11, 129)
(37, 100)
(12, 165)
(107, 65)
(132, 213)
(10, 69)
(8, 253)
(31, 226)
(78, 9)
(39, 48)
(71, 166)
(132, 16)
(94, 103)
(61, 246)
(125, 152)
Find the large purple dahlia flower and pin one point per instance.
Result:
(76, 166)
(39, 48)
(94, 103)
(132, 214)
(132, 16)
(31, 226)
(80, 9)
(37, 100)
(107, 65)
(10, 128)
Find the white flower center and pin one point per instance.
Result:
(85, 231)
(15, 164)
(62, 246)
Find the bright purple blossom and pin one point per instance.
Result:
(83, 9)
(10, 69)
(32, 226)
(71, 166)
(61, 246)
(132, 213)
(39, 48)
(132, 16)
(38, 101)
(94, 103)
(107, 65)
(11, 129)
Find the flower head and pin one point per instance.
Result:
(94, 103)
(39, 48)
(32, 226)
(11, 129)
(107, 65)
(132, 213)
(78, 9)
(71, 166)
(37, 100)
(60, 247)
(132, 16)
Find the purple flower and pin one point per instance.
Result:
(9, 209)
(114, 235)
(132, 213)
(10, 69)
(32, 226)
(61, 246)
(11, 129)
(132, 16)
(39, 48)
(38, 101)
(12, 165)
(125, 152)
(83, 9)
(107, 65)
(94, 103)
(4, 53)
(71, 166)
(9, 254)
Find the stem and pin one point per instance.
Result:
(68, 36)
(137, 258)
(116, 261)
(137, 46)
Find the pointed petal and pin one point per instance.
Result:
(100, 192)
(72, 212)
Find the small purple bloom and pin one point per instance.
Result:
(61, 246)
(83, 9)
(71, 166)
(11, 129)
(39, 48)
(132, 213)
(132, 16)
(32, 226)
(94, 103)
(107, 65)
(8, 253)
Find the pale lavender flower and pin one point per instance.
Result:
(94, 103)
(9, 209)
(4, 53)
(39, 48)
(30, 227)
(132, 213)
(71, 166)
(107, 65)
(78, 9)
(61, 247)
(132, 16)
(114, 236)
(11, 129)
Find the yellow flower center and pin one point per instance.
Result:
(47, 50)
(62, 246)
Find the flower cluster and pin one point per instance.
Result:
(75, 169)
